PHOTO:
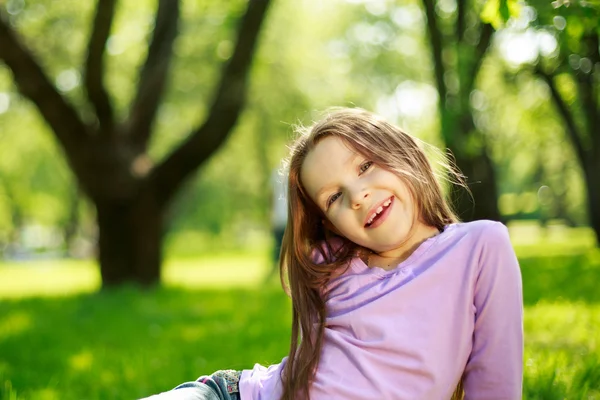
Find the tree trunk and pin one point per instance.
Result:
(71, 225)
(109, 158)
(470, 153)
(592, 179)
(130, 237)
(481, 179)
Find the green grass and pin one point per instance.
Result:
(64, 277)
(61, 339)
(562, 325)
(127, 343)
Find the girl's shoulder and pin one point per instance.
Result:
(481, 235)
(481, 228)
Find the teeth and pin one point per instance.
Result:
(379, 210)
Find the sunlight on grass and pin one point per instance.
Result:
(14, 323)
(564, 325)
(211, 272)
(82, 361)
(52, 277)
(530, 239)
(67, 277)
(46, 394)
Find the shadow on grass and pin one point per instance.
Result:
(128, 343)
(561, 278)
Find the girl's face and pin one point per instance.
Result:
(365, 203)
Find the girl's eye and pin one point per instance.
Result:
(333, 198)
(365, 166)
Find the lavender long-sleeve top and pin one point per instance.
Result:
(452, 309)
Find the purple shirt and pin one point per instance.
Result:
(453, 308)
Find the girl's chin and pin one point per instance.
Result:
(390, 245)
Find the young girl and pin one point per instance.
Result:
(392, 297)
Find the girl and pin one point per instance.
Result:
(392, 297)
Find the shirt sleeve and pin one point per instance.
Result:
(494, 370)
(262, 383)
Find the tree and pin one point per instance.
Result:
(572, 74)
(459, 40)
(108, 157)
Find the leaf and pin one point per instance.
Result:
(498, 12)
(575, 27)
(489, 13)
(504, 11)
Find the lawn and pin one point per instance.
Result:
(61, 339)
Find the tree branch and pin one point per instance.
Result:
(153, 77)
(594, 102)
(565, 113)
(484, 43)
(435, 39)
(460, 19)
(224, 112)
(94, 65)
(35, 85)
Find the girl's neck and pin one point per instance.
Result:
(389, 259)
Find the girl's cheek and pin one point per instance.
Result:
(335, 220)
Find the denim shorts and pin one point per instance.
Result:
(221, 385)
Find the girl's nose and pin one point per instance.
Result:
(359, 198)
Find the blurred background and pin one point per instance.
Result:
(140, 143)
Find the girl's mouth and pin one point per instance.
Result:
(377, 217)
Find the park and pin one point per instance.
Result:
(138, 144)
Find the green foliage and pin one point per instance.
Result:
(293, 75)
(498, 12)
(313, 54)
(34, 178)
(528, 143)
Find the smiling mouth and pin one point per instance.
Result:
(378, 212)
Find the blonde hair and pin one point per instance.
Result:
(305, 235)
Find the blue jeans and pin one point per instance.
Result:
(212, 387)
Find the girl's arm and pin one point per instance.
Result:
(495, 367)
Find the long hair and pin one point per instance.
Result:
(307, 236)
